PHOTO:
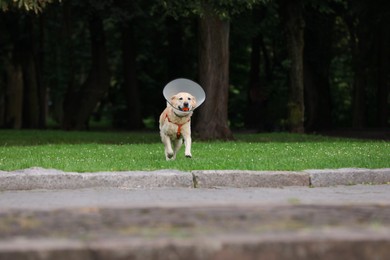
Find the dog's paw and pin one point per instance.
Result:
(188, 156)
(170, 155)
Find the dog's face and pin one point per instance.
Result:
(183, 101)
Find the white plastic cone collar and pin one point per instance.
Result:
(184, 85)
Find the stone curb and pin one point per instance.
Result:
(348, 176)
(244, 179)
(283, 246)
(39, 178)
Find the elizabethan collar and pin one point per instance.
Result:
(184, 85)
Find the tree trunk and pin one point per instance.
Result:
(254, 120)
(359, 107)
(14, 97)
(130, 87)
(317, 59)
(214, 77)
(370, 62)
(256, 114)
(360, 49)
(2, 99)
(31, 89)
(176, 53)
(79, 105)
(359, 80)
(34, 106)
(42, 89)
(23, 60)
(293, 23)
(61, 110)
(358, 98)
(383, 68)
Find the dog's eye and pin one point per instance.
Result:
(189, 98)
(181, 98)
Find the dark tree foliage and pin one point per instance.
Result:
(266, 65)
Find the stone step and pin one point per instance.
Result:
(202, 232)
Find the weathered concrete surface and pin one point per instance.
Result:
(291, 222)
(184, 197)
(342, 222)
(241, 179)
(348, 176)
(224, 232)
(289, 246)
(38, 178)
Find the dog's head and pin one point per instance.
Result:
(183, 101)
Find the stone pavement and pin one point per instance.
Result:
(49, 214)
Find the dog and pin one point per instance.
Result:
(175, 124)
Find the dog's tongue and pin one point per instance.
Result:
(185, 109)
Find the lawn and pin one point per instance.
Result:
(121, 151)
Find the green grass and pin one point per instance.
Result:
(121, 151)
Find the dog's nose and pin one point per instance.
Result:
(185, 104)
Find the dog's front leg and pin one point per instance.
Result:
(168, 147)
(178, 143)
(187, 143)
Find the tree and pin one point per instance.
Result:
(23, 72)
(13, 100)
(317, 60)
(369, 39)
(293, 23)
(130, 84)
(25, 98)
(360, 54)
(260, 72)
(213, 59)
(214, 75)
(35, 6)
(382, 62)
(126, 14)
(102, 58)
(81, 101)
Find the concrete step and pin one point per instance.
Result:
(201, 232)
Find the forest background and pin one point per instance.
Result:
(266, 65)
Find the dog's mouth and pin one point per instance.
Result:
(184, 108)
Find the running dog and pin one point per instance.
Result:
(175, 124)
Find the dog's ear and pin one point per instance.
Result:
(173, 97)
(193, 101)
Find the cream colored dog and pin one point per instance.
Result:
(175, 124)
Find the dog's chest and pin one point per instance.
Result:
(171, 131)
(175, 130)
